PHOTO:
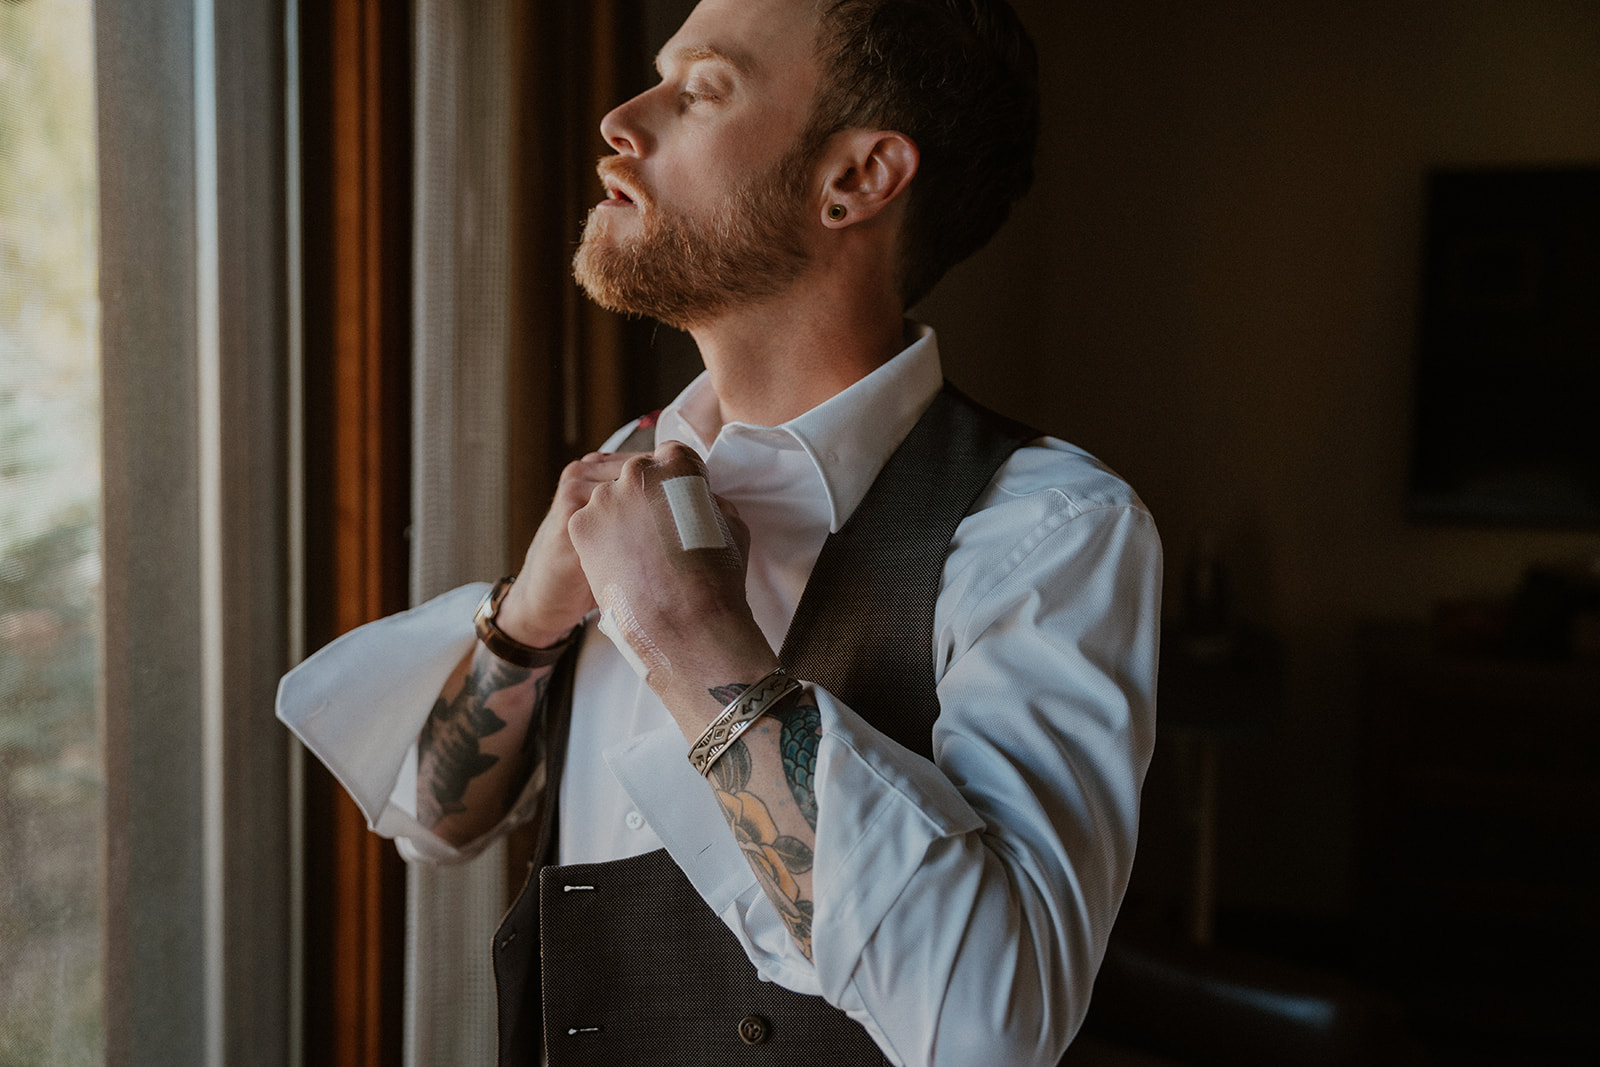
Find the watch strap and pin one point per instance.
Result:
(502, 644)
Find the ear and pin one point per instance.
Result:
(867, 172)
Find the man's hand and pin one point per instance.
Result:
(551, 594)
(476, 749)
(667, 561)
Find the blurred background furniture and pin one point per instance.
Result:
(1168, 994)
(1478, 851)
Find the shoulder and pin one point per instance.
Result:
(1058, 546)
(1050, 506)
(1057, 477)
(1062, 475)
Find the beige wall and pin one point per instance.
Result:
(1213, 288)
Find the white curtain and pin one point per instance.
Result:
(461, 249)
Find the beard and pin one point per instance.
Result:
(684, 271)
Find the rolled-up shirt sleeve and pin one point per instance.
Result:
(359, 703)
(976, 938)
(962, 904)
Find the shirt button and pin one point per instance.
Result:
(753, 1029)
(634, 820)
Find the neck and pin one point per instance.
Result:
(774, 361)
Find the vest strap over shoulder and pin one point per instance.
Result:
(863, 629)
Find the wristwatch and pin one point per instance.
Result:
(502, 644)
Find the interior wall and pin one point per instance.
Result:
(1213, 287)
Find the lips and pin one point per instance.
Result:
(622, 188)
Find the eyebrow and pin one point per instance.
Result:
(739, 61)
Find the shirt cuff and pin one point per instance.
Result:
(360, 702)
(880, 808)
(679, 805)
(891, 806)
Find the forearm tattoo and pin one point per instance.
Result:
(802, 729)
(777, 858)
(449, 749)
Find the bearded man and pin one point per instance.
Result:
(907, 646)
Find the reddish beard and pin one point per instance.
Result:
(685, 271)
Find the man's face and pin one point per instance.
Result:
(711, 191)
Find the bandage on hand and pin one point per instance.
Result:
(666, 563)
(696, 519)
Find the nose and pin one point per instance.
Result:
(625, 128)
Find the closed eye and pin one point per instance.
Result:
(698, 94)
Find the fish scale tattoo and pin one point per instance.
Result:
(802, 730)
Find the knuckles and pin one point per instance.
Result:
(633, 470)
(580, 524)
(677, 458)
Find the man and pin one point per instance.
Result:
(804, 171)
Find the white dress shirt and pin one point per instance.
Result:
(962, 906)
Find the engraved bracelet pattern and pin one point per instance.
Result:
(740, 714)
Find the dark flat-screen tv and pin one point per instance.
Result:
(1506, 424)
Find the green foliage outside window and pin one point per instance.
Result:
(50, 761)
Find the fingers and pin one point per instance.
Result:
(596, 467)
(552, 592)
(666, 490)
(581, 477)
(672, 459)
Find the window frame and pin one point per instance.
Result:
(194, 282)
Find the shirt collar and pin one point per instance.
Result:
(849, 436)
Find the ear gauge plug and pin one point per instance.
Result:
(837, 212)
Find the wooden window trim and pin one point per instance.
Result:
(356, 159)
(571, 383)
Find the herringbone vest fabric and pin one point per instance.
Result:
(635, 968)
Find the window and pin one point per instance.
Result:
(51, 770)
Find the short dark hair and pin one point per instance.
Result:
(961, 79)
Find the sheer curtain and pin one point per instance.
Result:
(462, 259)
(513, 375)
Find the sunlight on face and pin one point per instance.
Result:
(685, 270)
(709, 194)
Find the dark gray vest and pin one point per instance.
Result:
(638, 969)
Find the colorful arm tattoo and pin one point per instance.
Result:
(778, 859)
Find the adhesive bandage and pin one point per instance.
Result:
(696, 539)
(618, 622)
(695, 514)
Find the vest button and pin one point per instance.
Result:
(753, 1029)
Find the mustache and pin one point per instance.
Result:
(619, 173)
